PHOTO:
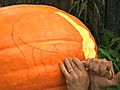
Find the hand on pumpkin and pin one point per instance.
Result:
(76, 76)
(99, 74)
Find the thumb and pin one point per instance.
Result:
(117, 77)
(115, 80)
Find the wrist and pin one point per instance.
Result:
(97, 88)
(92, 87)
(85, 88)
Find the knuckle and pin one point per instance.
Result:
(91, 60)
(110, 62)
(104, 60)
(80, 75)
(72, 80)
(76, 77)
(96, 61)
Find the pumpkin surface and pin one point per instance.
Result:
(34, 39)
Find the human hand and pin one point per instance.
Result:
(76, 76)
(99, 74)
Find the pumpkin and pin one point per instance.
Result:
(34, 39)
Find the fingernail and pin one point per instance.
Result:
(66, 59)
(60, 63)
(84, 61)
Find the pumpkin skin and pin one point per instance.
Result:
(34, 39)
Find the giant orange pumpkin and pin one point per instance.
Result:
(34, 39)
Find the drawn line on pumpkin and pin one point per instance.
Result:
(48, 51)
(39, 50)
(12, 35)
(36, 47)
(47, 41)
(72, 51)
(66, 51)
(51, 54)
(35, 61)
(58, 50)
(55, 50)
(43, 62)
(30, 46)
(51, 59)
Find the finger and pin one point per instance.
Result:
(64, 71)
(110, 71)
(96, 66)
(78, 63)
(84, 62)
(69, 66)
(74, 66)
(91, 66)
(103, 67)
(109, 66)
(114, 81)
(87, 63)
(110, 82)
